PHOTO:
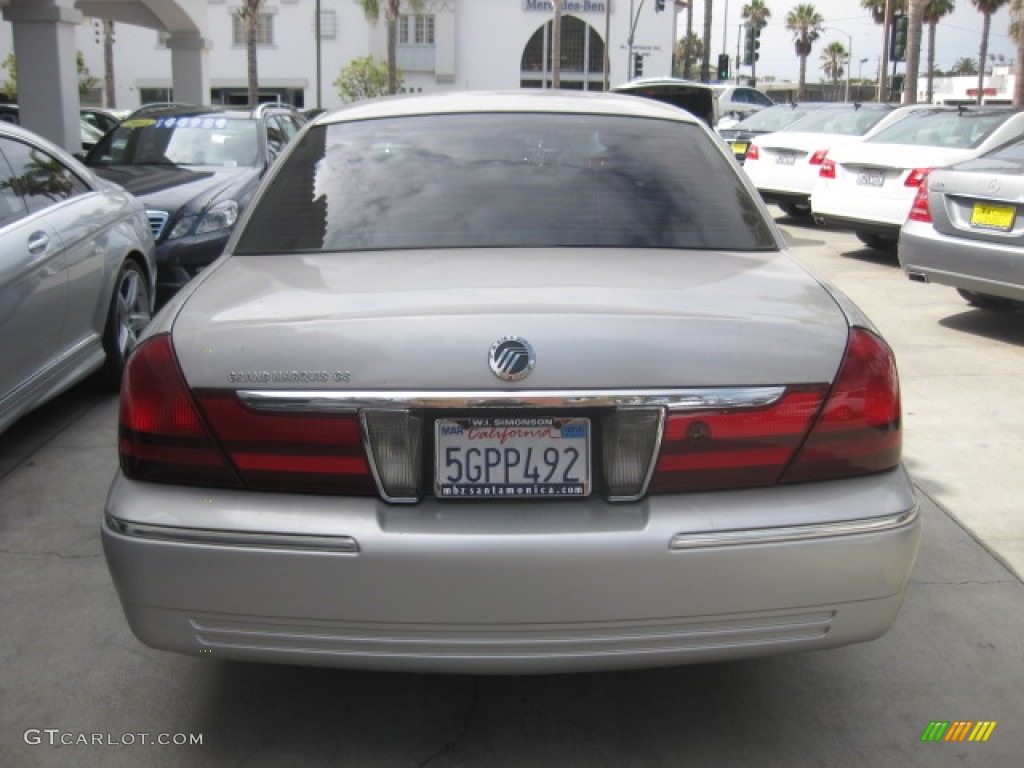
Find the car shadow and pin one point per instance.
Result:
(1002, 325)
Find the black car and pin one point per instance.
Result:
(195, 169)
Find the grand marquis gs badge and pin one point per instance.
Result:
(511, 358)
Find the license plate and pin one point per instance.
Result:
(739, 147)
(987, 216)
(785, 158)
(871, 178)
(512, 457)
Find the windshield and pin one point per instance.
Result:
(187, 140)
(947, 128)
(844, 122)
(505, 180)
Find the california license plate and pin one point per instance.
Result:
(988, 216)
(512, 457)
(871, 178)
(785, 158)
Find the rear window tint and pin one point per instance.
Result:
(505, 180)
(852, 121)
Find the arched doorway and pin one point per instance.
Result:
(582, 57)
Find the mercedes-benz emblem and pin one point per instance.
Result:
(511, 358)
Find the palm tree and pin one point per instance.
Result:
(832, 60)
(556, 45)
(1017, 33)
(688, 52)
(933, 11)
(805, 23)
(915, 25)
(965, 66)
(392, 14)
(756, 15)
(986, 8)
(705, 59)
(249, 13)
(878, 10)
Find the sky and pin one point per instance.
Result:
(957, 36)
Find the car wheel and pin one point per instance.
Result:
(986, 301)
(881, 242)
(131, 309)
(796, 210)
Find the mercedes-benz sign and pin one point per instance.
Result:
(511, 358)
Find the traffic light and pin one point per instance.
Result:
(723, 66)
(638, 65)
(898, 39)
(659, 6)
(751, 44)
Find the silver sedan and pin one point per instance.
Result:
(77, 272)
(508, 383)
(966, 230)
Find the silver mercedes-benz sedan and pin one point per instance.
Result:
(965, 229)
(507, 383)
(77, 270)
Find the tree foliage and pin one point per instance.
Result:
(805, 23)
(86, 82)
(364, 78)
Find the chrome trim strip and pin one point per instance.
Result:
(345, 545)
(157, 222)
(792, 533)
(322, 401)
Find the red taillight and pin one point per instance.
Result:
(753, 153)
(734, 449)
(919, 210)
(818, 157)
(812, 433)
(167, 435)
(299, 452)
(162, 435)
(916, 176)
(859, 429)
(827, 169)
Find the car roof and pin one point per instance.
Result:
(189, 110)
(536, 101)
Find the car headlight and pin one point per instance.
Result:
(221, 216)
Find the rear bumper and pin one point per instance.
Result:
(989, 268)
(506, 588)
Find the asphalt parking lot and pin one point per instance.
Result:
(71, 670)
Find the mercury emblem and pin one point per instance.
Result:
(511, 358)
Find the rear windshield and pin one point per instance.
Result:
(505, 180)
(952, 128)
(773, 118)
(845, 122)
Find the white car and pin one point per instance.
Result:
(869, 187)
(784, 165)
(740, 101)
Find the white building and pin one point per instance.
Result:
(452, 45)
(997, 89)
